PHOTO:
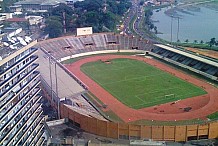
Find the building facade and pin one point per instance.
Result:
(21, 120)
(1, 5)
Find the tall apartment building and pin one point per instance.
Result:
(20, 111)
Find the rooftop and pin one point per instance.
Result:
(40, 2)
(199, 58)
(16, 20)
(12, 42)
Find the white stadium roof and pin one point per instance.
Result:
(188, 55)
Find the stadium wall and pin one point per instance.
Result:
(98, 52)
(130, 131)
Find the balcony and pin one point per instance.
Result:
(34, 123)
(9, 68)
(18, 82)
(11, 136)
(7, 112)
(34, 136)
(18, 120)
(18, 72)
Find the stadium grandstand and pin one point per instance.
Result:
(193, 62)
(69, 47)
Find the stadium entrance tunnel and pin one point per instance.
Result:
(192, 138)
(74, 123)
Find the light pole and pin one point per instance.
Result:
(56, 82)
(49, 59)
(53, 61)
(178, 31)
(171, 30)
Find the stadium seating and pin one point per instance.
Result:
(71, 45)
(187, 61)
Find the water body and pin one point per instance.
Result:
(193, 25)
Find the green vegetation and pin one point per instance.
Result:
(99, 15)
(168, 123)
(6, 3)
(211, 45)
(137, 84)
(113, 117)
(213, 116)
(94, 99)
(54, 26)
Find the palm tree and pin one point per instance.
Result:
(186, 40)
(195, 41)
(212, 42)
(201, 41)
(155, 29)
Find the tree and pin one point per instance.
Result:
(54, 27)
(151, 26)
(195, 41)
(186, 40)
(141, 2)
(91, 13)
(109, 20)
(155, 29)
(89, 5)
(6, 3)
(92, 17)
(212, 42)
(201, 41)
(63, 9)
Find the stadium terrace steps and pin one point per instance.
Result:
(198, 66)
(71, 45)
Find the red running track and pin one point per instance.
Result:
(201, 105)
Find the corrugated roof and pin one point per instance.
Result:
(16, 20)
(40, 2)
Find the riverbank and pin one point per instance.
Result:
(188, 7)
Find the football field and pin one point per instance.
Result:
(137, 84)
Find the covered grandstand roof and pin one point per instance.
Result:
(207, 61)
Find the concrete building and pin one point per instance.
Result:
(37, 5)
(3, 17)
(16, 8)
(34, 20)
(20, 108)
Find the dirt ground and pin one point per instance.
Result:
(209, 53)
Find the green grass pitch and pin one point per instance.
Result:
(137, 84)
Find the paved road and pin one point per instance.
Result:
(136, 14)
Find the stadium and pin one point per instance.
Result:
(125, 87)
